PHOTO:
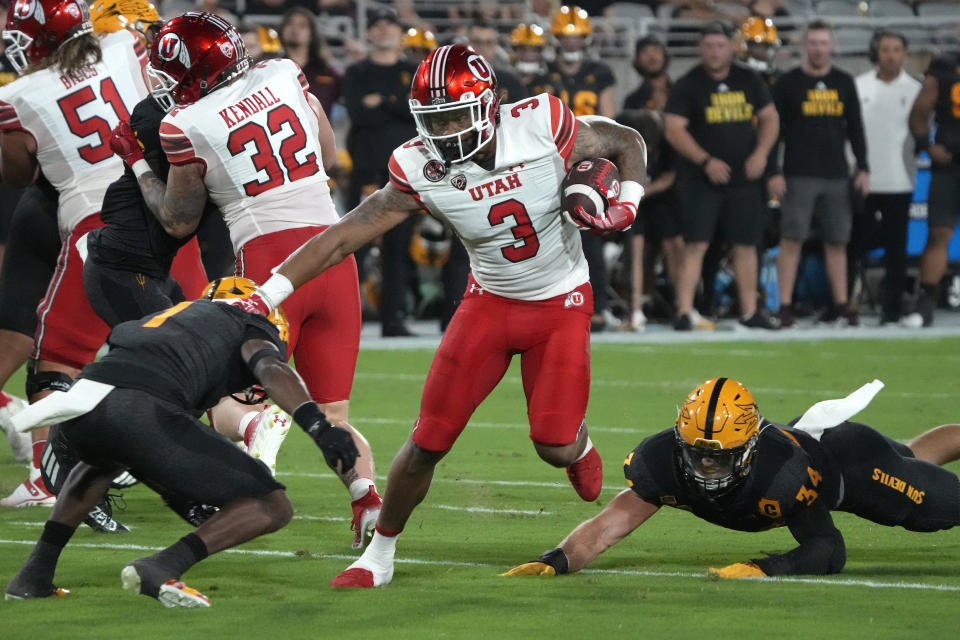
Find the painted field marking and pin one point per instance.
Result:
(840, 582)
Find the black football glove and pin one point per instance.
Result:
(335, 444)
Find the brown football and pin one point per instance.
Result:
(580, 185)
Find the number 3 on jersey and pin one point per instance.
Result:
(265, 154)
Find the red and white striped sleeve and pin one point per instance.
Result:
(9, 120)
(398, 177)
(563, 126)
(176, 145)
(140, 50)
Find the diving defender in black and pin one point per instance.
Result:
(795, 482)
(164, 369)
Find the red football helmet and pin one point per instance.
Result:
(37, 28)
(194, 54)
(454, 102)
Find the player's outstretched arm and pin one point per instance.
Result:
(379, 213)
(286, 389)
(821, 549)
(618, 519)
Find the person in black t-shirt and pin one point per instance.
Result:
(728, 465)
(722, 123)
(651, 60)
(375, 92)
(819, 111)
(586, 86)
(940, 96)
(159, 373)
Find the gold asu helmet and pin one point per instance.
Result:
(139, 16)
(572, 29)
(757, 42)
(716, 432)
(235, 287)
(527, 42)
(419, 39)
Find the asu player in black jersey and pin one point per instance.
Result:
(940, 96)
(728, 465)
(159, 373)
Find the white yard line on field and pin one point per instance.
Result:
(840, 582)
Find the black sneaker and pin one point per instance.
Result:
(925, 306)
(101, 518)
(787, 319)
(683, 323)
(760, 320)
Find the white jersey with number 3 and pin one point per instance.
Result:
(71, 115)
(257, 138)
(509, 218)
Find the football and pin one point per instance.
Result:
(580, 186)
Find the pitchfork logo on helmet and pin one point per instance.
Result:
(195, 54)
(235, 287)
(37, 28)
(716, 432)
(454, 102)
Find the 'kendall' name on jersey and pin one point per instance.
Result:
(257, 138)
(509, 218)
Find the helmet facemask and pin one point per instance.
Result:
(16, 44)
(712, 470)
(161, 87)
(456, 131)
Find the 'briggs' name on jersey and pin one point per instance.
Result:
(77, 76)
(496, 187)
(252, 104)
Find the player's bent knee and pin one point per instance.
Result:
(41, 381)
(279, 509)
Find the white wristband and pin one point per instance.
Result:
(140, 167)
(631, 191)
(276, 290)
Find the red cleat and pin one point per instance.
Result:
(586, 475)
(354, 579)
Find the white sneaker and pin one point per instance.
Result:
(638, 321)
(610, 318)
(911, 321)
(30, 493)
(272, 428)
(21, 443)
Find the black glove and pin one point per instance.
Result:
(335, 443)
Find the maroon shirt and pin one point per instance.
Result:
(325, 83)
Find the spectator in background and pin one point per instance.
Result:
(527, 44)
(721, 121)
(376, 91)
(886, 94)
(262, 43)
(651, 61)
(484, 38)
(657, 218)
(586, 86)
(938, 96)
(819, 111)
(303, 44)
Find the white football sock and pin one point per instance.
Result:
(586, 450)
(378, 558)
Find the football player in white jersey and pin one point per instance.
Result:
(256, 141)
(56, 118)
(493, 172)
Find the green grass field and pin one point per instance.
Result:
(494, 504)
